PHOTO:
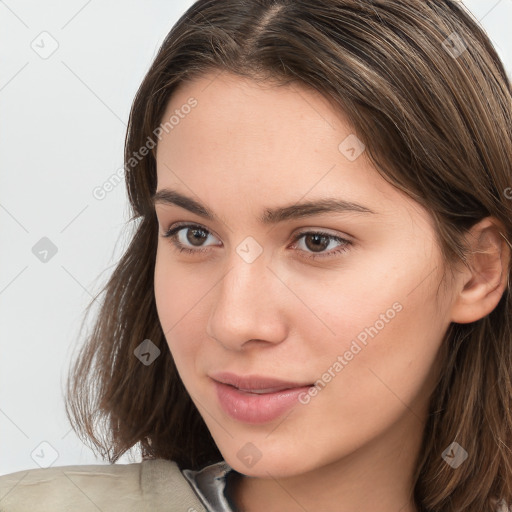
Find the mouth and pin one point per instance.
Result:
(256, 383)
(256, 399)
(262, 391)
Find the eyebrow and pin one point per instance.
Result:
(270, 216)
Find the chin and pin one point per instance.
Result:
(265, 464)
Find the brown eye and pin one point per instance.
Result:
(316, 242)
(196, 236)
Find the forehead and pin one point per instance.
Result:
(258, 143)
(245, 112)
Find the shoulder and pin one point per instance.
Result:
(152, 485)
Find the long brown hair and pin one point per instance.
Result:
(427, 94)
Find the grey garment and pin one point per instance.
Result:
(209, 484)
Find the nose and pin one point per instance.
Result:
(249, 306)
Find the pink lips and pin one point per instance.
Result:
(256, 399)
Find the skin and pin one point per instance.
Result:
(353, 446)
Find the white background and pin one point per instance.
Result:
(63, 122)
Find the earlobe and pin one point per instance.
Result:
(480, 286)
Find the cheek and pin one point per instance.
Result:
(390, 372)
(391, 377)
(385, 331)
(178, 302)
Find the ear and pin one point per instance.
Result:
(479, 288)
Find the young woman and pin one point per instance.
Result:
(315, 311)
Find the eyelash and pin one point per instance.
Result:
(172, 232)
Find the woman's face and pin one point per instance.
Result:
(279, 294)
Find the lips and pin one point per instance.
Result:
(254, 398)
(256, 383)
(263, 391)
